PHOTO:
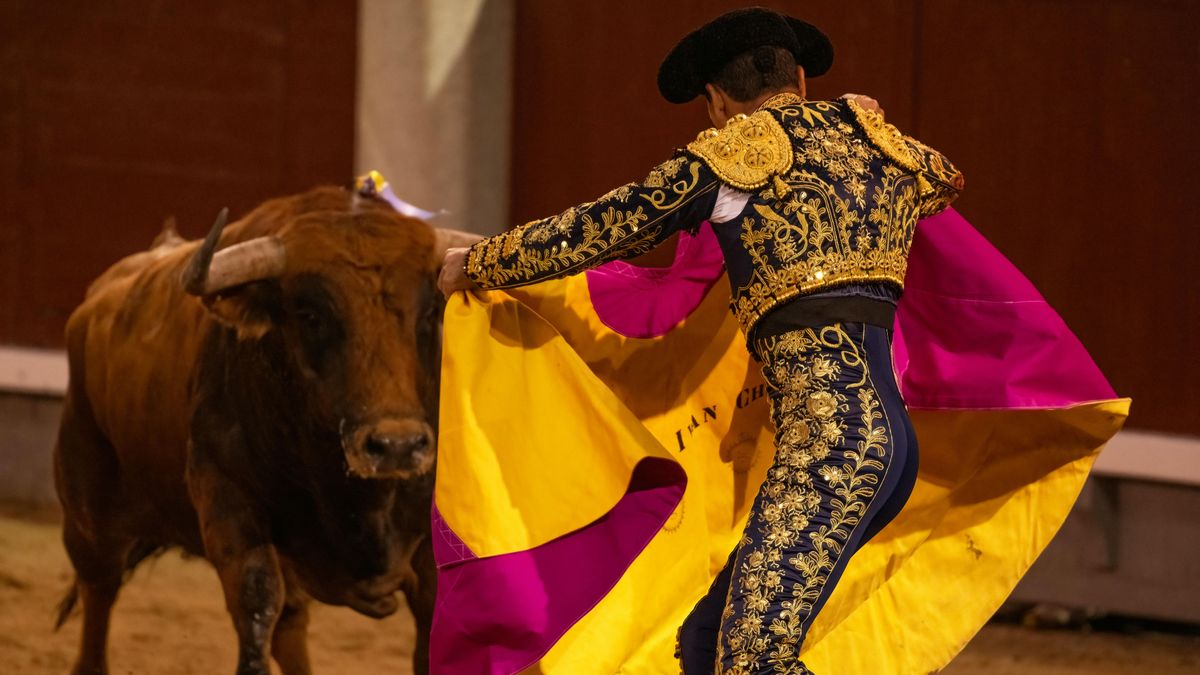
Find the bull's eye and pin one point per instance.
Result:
(315, 325)
(310, 321)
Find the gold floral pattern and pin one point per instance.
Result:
(885, 136)
(831, 442)
(846, 213)
(627, 221)
(939, 181)
(838, 195)
(748, 152)
(843, 156)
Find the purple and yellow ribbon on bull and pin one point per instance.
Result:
(602, 438)
(373, 184)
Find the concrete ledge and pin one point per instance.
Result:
(33, 371)
(1150, 455)
(1135, 454)
(28, 428)
(1127, 548)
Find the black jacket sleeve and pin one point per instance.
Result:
(938, 181)
(678, 194)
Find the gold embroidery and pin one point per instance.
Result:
(812, 407)
(939, 181)
(842, 211)
(544, 231)
(885, 136)
(814, 239)
(662, 174)
(847, 214)
(838, 151)
(628, 220)
(747, 152)
(780, 100)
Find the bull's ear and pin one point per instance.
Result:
(249, 309)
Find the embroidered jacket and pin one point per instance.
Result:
(834, 195)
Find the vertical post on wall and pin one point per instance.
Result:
(1106, 507)
(435, 104)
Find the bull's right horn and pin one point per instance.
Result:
(211, 271)
(447, 239)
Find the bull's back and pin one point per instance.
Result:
(131, 347)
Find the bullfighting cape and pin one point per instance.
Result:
(602, 438)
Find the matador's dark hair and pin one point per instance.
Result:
(756, 72)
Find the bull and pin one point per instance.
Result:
(266, 399)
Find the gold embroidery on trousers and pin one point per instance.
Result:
(813, 406)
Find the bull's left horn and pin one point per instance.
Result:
(211, 271)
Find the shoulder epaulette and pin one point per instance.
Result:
(885, 136)
(748, 152)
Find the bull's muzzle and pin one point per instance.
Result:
(401, 448)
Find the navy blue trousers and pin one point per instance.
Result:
(845, 464)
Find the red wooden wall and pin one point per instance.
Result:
(114, 115)
(1072, 120)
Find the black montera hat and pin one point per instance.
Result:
(701, 55)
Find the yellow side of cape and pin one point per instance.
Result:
(546, 411)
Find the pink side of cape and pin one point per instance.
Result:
(971, 333)
(971, 330)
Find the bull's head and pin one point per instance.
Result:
(349, 297)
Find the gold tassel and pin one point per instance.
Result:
(781, 188)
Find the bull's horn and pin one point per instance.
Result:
(195, 275)
(447, 239)
(211, 271)
(261, 258)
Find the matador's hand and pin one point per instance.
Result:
(453, 276)
(865, 101)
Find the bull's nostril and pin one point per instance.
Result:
(377, 446)
(418, 442)
(380, 446)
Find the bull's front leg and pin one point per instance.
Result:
(421, 593)
(289, 644)
(238, 544)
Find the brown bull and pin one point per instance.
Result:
(270, 407)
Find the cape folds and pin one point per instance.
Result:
(602, 437)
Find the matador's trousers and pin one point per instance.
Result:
(845, 463)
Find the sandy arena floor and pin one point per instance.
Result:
(171, 620)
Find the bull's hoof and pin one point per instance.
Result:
(257, 668)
